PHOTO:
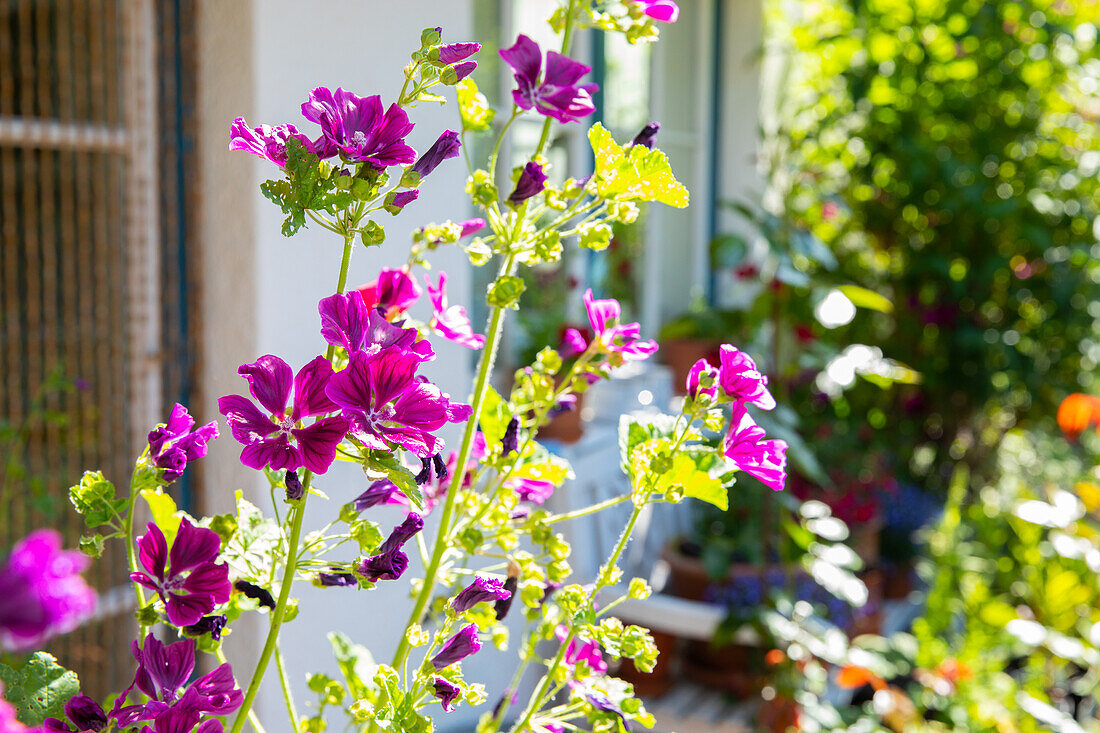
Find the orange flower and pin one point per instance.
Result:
(851, 677)
(953, 670)
(1076, 413)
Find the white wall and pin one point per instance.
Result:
(260, 60)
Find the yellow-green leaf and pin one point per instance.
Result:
(634, 172)
(695, 482)
(864, 298)
(476, 113)
(164, 512)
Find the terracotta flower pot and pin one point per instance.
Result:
(680, 354)
(566, 426)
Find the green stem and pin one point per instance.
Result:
(584, 512)
(292, 552)
(485, 368)
(131, 551)
(288, 696)
(601, 582)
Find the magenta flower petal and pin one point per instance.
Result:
(246, 422)
(41, 591)
(210, 580)
(276, 453)
(458, 647)
(697, 370)
(268, 142)
(309, 390)
(269, 380)
(481, 590)
(765, 460)
(451, 323)
(741, 380)
(317, 443)
(562, 71)
(452, 53)
(665, 11)
(153, 551)
(532, 181)
(525, 58)
(447, 693)
(445, 147)
(344, 320)
(192, 547)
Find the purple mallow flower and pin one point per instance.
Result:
(41, 591)
(534, 490)
(453, 53)
(394, 291)
(279, 440)
(83, 712)
(458, 647)
(461, 71)
(391, 561)
(531, 182)
(648, 135)
(451, 322)
(609, 334)
(351, 323)
(162, 672)
(358, 129)
(294, 488)
(765, 460)
(386, 402)
(187, 579)
(471, 226)
(444, 148)
(395, 202)
(601, 701)
(582, 650)
(336, 579)
(447, 692)
(212, 625)
(382, 491)
(697, 370)
(509, 442)
(482, 589)
(741, 380)
(174, 444)
(268, 142)
(555, 94)
(665, 11)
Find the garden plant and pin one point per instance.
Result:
(363, 400)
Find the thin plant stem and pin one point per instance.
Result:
(252, 719)
(288, 695)
(485, 368)
(292, 553)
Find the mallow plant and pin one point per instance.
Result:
(366, 399)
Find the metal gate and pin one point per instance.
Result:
(93, 235)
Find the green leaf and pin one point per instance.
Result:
(254, 543)
(355, 662)
(864, 298)
(695, 481)
(494, 417)
(39, 689)
(633, 173)
(164, 512)
(476, 113)
(94, 499)
(397, 473)
(634, 430)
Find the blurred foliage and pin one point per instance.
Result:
(948, 153)
(1009, 639)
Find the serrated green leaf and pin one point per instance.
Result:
(864, 298)
(397, 473)
(633, 173)
(39, 689)
(94, 499)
